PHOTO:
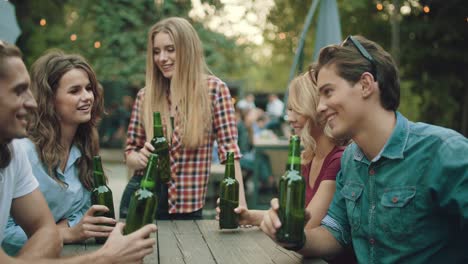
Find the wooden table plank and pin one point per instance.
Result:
(168, 248)
(191, 243)
(238, 246)
(73, 249)
(276, 253)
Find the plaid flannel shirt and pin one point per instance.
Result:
(191, 167)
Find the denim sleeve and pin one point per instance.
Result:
(14, 238)
(336, 220)
(76, 217)
(449, 171)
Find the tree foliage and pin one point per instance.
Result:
(433, 54)
(432, 47)
(119, 29)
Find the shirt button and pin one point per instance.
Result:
(395, 199)
(353, 194)
(371, 171)
(372, 241)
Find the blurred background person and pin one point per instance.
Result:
(248, 102)
(274, 110)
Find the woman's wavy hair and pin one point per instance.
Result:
(44, 130)
(303, 99)
(188, 85)
(6, 51)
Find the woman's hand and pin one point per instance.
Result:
(89, 226)
(246, 217)
(138, 160)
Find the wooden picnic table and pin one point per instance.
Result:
(201, 242)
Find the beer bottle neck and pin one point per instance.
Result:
(97, 164)
(158, 131)
(294, 155)
(294, 163)
(148, 181)
(99, 178)
(157, 125)
(229, 170)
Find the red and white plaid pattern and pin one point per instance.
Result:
(191, 167)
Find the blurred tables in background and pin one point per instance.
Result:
(277, 151)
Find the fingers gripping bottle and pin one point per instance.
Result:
(101, 193)
(143, 203)
(229, 196)
(292, 198)
(161, 148)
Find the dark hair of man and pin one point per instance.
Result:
(350, 64)
(6, 51)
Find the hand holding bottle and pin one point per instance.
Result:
(271, 222)
(89, 226)
(246, 217)
(142, 156)
(131, 248)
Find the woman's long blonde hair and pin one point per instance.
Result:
(303, 99)
(188, 85)
(44, 130)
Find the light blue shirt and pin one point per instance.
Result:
(65, 202)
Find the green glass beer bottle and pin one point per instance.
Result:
(101, 193)
(161, 147)
(229, 196)
(292, 163)
(292, 198)
(143, 203)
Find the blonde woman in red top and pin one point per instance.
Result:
(320, 157)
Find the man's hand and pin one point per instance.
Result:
(131, 248)
(271, 222)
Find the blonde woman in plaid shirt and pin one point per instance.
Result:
(179, 85)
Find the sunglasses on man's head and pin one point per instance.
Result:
(363, 52)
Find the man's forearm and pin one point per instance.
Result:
(45, 243)
(320, 243)
(94, 258)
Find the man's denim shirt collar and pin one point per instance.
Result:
(395, 146)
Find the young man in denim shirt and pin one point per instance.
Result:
(402, 193)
